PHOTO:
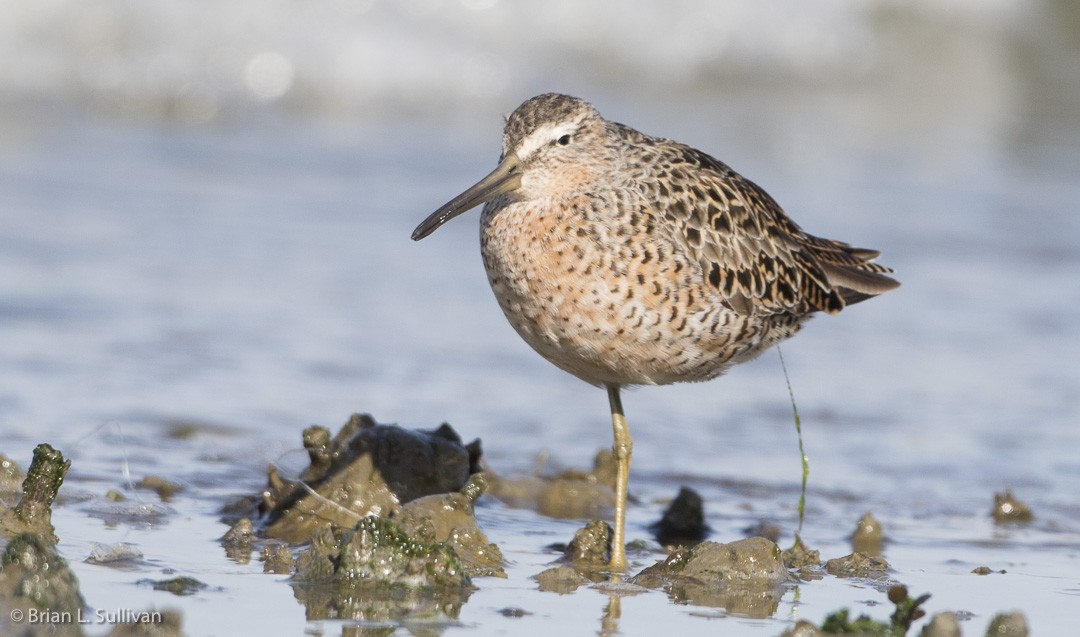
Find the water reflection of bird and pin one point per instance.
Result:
(626, 259)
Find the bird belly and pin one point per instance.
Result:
(592, 304)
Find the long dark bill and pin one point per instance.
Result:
(505, 178)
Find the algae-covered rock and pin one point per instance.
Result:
(745, 576)
(858, 565)
(377, 572)
(805, 560)
(34, 579)
(591, 547)
(366, 469)
(33, 513)
(683, 523)
(181, 586)
(449, 518)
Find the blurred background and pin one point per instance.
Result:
(205, 210)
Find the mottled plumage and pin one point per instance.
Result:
(626, 259)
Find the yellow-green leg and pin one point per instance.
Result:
(622, 449)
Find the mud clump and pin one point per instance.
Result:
(683, 522)
(1009, 510)
(376, 571)
(366, 469)
(805, 560)
(858, 565)
(584, 560)
(560, 579)
(277, 558)
(1008, 625)
(567, 495)
(388, 513)
(165, 489)
(33, 513)
(869, 536)
(746, 576)
(239, 540)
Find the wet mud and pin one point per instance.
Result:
(39, 593)
(380, 528)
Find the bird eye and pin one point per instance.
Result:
(564, 140)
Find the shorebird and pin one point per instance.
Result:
(627, 259)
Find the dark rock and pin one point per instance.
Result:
(366, 469)
(683, 523)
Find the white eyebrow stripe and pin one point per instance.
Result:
(545, 135)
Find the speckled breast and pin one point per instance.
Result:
(589, 284)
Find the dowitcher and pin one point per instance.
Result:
(627, 259)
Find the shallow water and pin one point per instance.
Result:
(251, 269)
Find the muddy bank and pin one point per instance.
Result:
(39, 593)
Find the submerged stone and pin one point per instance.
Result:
(858, 565)
(746, 576)
(560, 579)
(179, 586)
(121, 552)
